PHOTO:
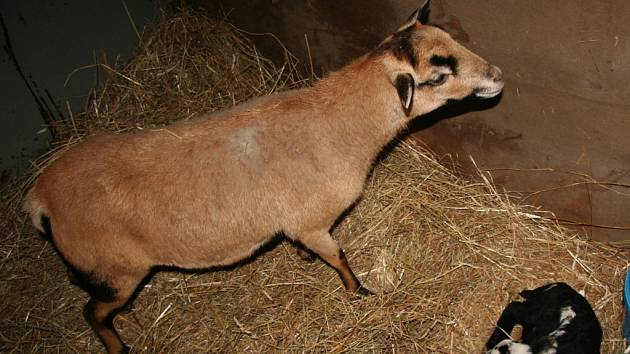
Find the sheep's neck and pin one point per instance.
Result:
(362, 111)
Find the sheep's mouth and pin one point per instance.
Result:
(488, 92)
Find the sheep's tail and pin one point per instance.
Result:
(36, 209)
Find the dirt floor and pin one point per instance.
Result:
(443, 253)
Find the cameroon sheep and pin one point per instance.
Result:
(211, 191)
(556, 320)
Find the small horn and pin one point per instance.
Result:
(423, 12)
(420, 15)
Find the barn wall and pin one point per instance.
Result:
(565, 113)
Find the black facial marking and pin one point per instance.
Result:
(449, 61)
(405, 50)
(400, 45)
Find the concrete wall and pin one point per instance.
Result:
(564, 120)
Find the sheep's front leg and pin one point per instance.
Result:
(322, 244)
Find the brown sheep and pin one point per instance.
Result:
(211, 191)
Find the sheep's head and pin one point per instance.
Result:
(428, 68)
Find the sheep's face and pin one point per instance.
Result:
(427, 67)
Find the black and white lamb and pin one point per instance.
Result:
(556, 319)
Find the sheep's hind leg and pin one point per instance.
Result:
(322, 244)
(100, 311)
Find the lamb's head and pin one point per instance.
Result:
(427, 67)
(508, 346)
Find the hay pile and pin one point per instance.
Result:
(443, 254)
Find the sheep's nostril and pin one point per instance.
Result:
(495, 73)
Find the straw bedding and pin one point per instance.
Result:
(444, 254)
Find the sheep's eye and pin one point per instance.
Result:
(440, 80)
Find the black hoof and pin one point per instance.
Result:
(361, 292)
(364, 291)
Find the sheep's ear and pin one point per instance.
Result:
(420, 15)
(405, 86)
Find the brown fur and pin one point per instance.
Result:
(210, 191)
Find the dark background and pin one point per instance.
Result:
(49, 40)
